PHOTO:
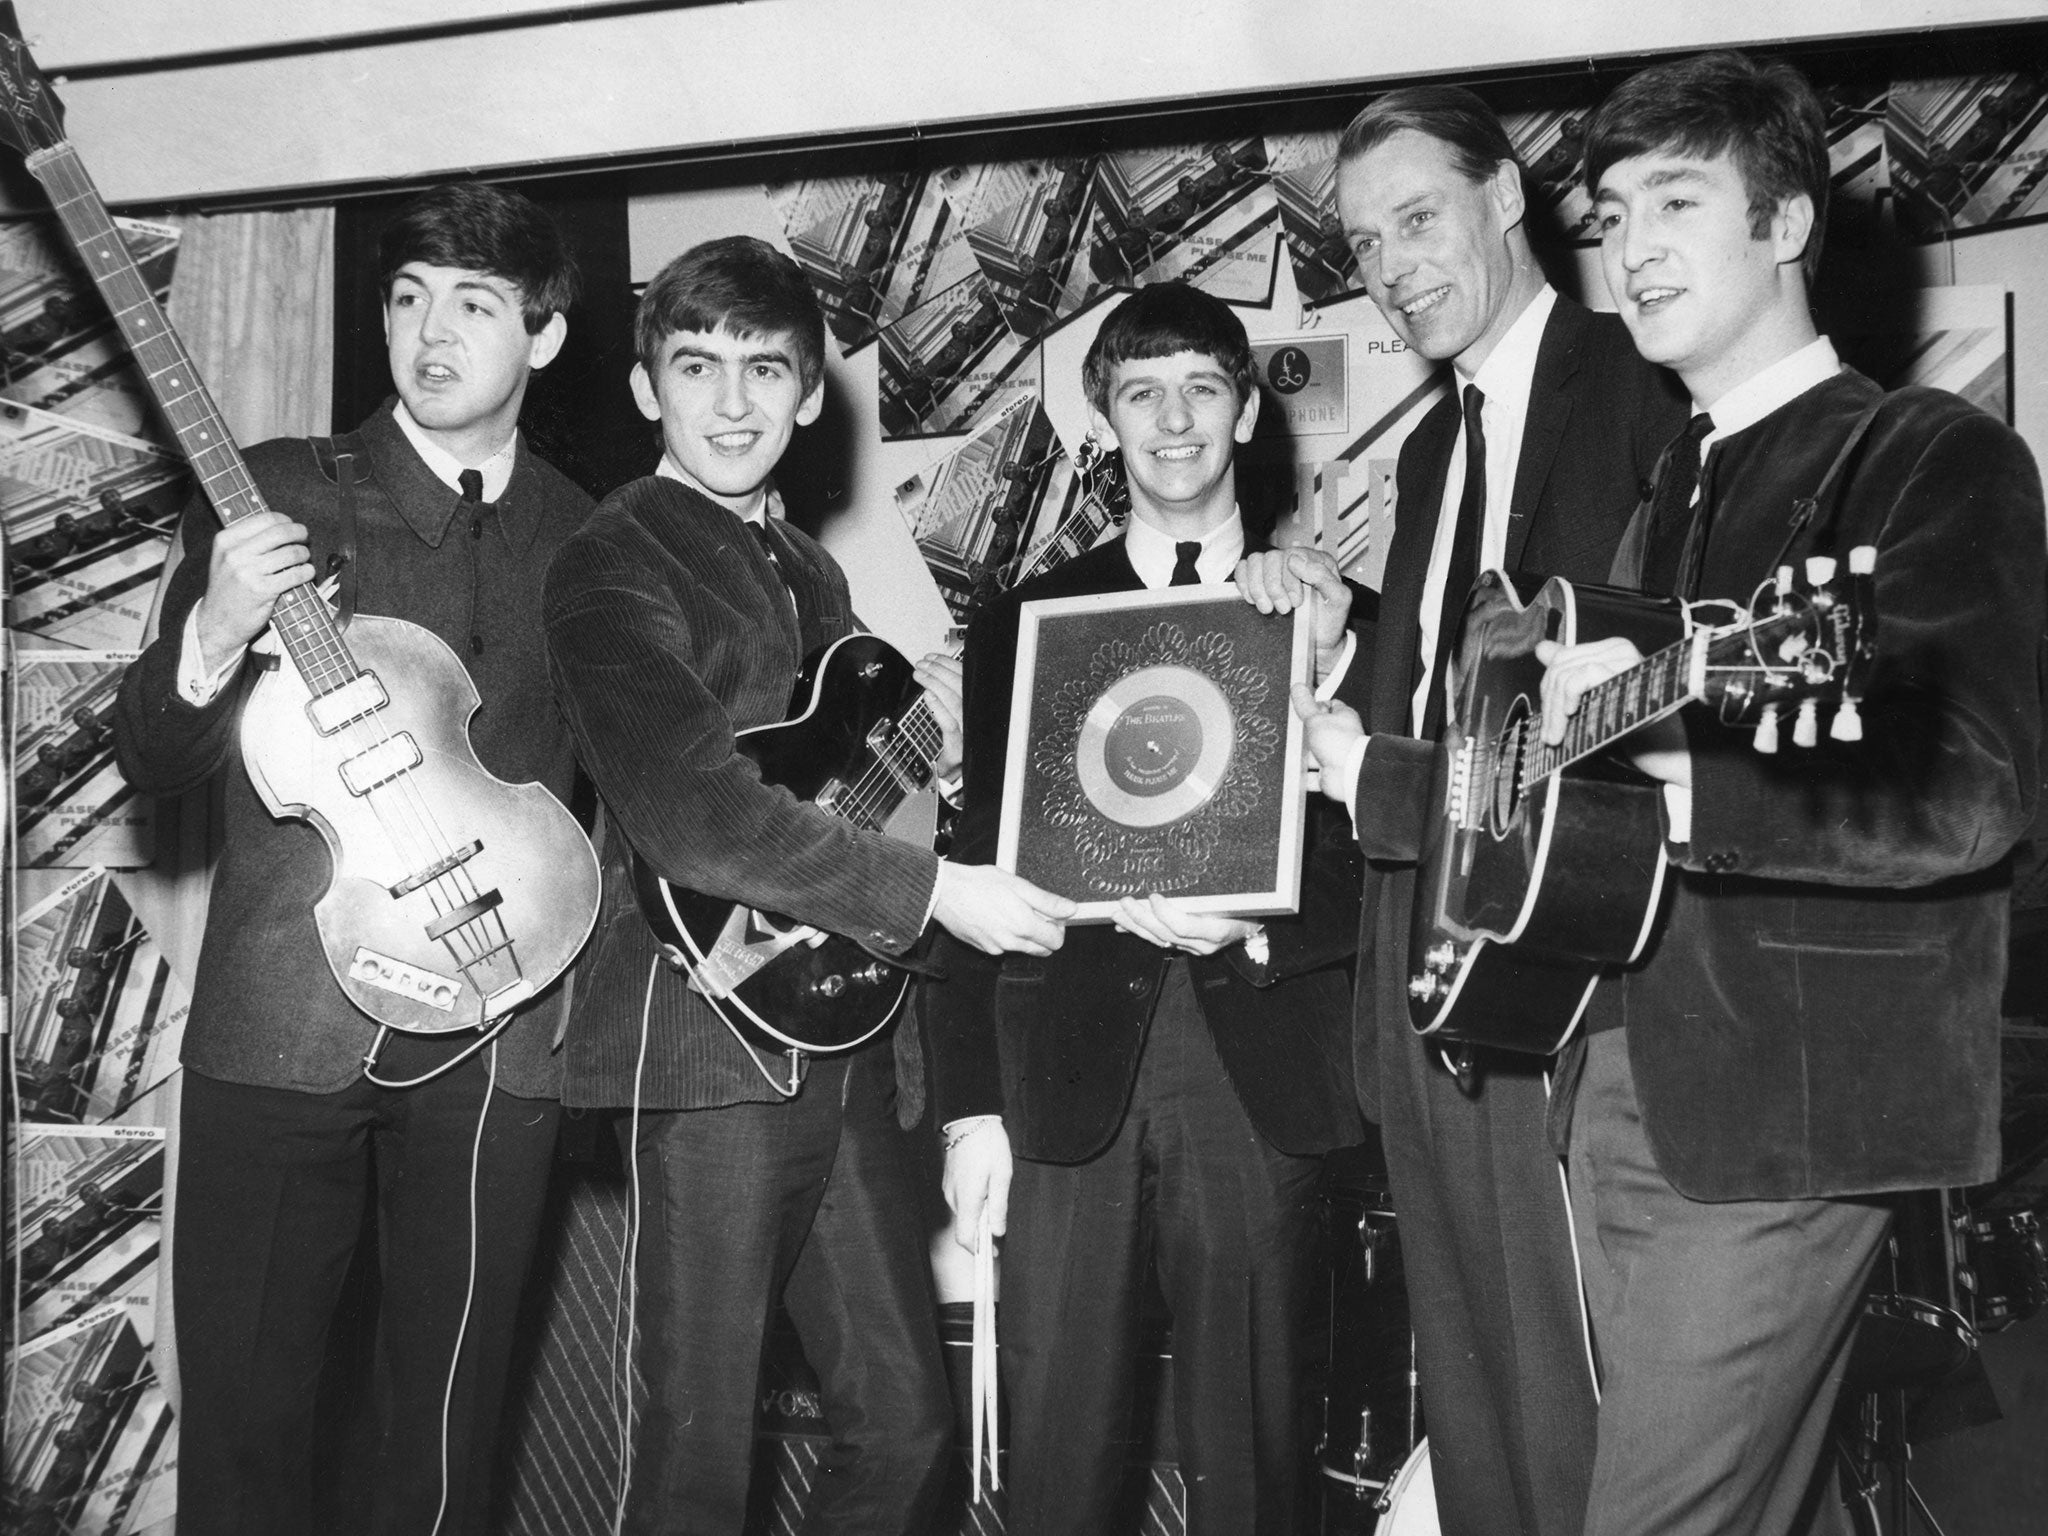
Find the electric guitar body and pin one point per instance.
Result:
(858, 745)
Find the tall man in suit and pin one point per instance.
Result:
(1532, 463)
(285, 1133)
(1159, 1091)
(677, 617)
(1817, 1020)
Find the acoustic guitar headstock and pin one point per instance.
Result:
(1810, 639)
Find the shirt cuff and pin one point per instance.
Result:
(1354, 764)
(1327, 688)
(1678, 811)
(196, 686)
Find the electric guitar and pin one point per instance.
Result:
(455, 896)
(859, 744)
(1544, 863)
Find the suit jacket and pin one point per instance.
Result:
(669, 630)
(1053, 1044)
(1819, 1013)
(265, 1010)
(1599, 417)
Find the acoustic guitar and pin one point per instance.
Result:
(455, 896)
(1544, 863)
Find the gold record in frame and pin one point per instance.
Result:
(1155, 746)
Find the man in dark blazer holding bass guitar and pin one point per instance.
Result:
(1816, 1022)
(450, 522)
(1568, 422)
(677, 617)
(1161, 1089)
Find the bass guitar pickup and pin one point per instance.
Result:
(381, 764)
(361, 696)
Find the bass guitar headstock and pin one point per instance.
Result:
(31, 117)
(1809, 639)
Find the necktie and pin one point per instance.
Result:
(1677, 533)
(760, 533)
(472, 483)
(1463, 568)
(1185, 553)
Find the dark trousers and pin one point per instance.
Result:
(271, 1191)
(1486, 1244)
(1190, 1183)
(1723, 1330)
(812, 1200)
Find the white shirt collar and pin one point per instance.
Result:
(497, 469)
(1152, 555)
(1762, 393)
(770, 506)
(1509, 371)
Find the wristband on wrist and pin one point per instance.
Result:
(960, 1130)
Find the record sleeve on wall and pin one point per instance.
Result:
(63, 351)
(72, 808)
(89, 516)
(92, 1447)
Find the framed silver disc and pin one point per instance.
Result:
(1155, 746)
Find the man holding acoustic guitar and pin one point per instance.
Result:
(435, 511)
(1816, 1022)
(764, 1160)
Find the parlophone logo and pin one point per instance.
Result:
(1288, 370)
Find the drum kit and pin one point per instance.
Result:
(1372, 1459)
(1957, 1264)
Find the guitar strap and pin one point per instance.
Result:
(338, 457)
(1827, 540)
(1628, 558)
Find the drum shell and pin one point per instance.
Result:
(1915, 1328)
(1371, 1401)
(2008, 1268)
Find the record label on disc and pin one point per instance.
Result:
(1154, 746)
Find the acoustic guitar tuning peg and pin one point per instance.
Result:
(1806, 729)
(1820, 570)
(1767, 730)
(1862, 559)
(1847, 724)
